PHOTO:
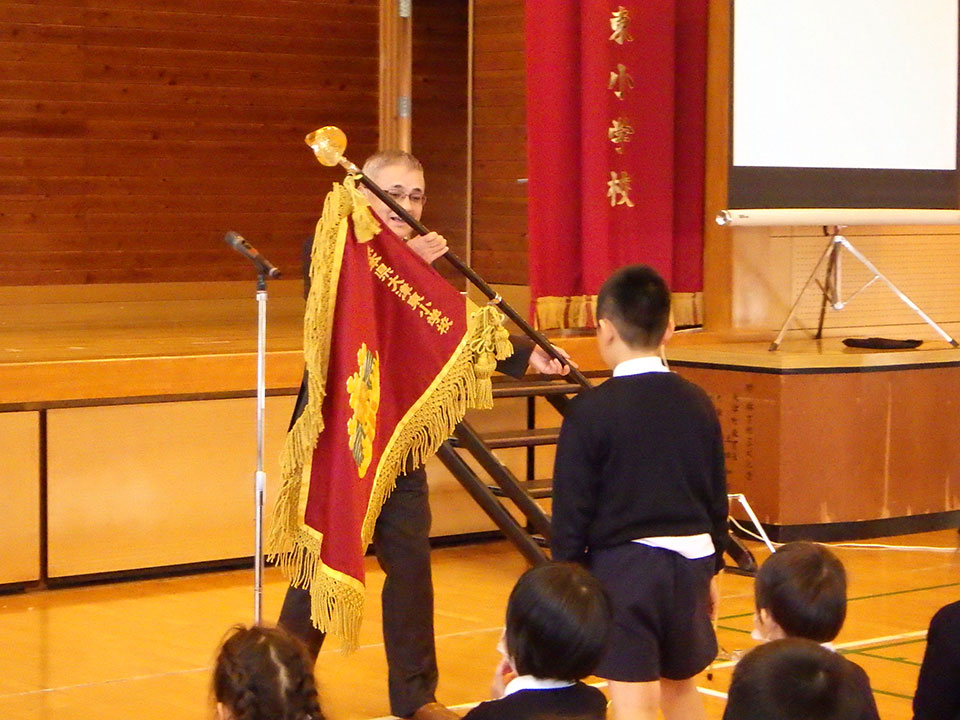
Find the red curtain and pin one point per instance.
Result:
(615, 138)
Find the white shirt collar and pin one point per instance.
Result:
(638, 365)
(529, 682)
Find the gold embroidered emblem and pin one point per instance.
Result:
(364, 389)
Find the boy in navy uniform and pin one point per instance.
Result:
(801, 592)
(558, 622)
(792, 679)
(640, 497)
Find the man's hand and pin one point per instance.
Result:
(429, 246)
(542, 362)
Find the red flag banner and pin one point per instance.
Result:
(615, 139)
(394, 360)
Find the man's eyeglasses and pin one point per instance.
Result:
(416, 197)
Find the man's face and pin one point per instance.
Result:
(406, 186)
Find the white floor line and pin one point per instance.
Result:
(111, 681)
(880, 640)
(459, 633)
(464, 706)
(916, 634)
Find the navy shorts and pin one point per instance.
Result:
(661, 613)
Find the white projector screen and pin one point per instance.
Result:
(844, 103)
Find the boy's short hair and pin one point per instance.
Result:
(804, 588)
(791, 679)
(637, 301)
(558, 622)
(383, 158)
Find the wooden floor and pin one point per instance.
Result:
(144, 649)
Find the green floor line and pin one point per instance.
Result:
(733, 629)
(902, 661)
(903, 592)
(892, 694)
(865, 597)
(873, 648)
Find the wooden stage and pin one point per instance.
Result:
(128, 420)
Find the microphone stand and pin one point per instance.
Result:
(264, 270)
(260, 477)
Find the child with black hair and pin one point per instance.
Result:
(791, 679)
(264, 674)
(558, 621)
(938, 685)
(801, 592)
(640, 497)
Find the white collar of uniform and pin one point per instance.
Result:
(638, 365)
(529, 682)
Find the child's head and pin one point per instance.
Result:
(633, 306)
(400, 175)
(791, 679)
(800, 591)
(558, 620)
(264, 674)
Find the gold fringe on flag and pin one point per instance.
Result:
(337, 599)
(580, 311)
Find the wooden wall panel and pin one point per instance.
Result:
(837, 447)
(133, 135)
(499, 210)
(177, 489)
(20, 530)
(439, 128)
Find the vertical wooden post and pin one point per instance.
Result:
(717, 241)
(396, 50)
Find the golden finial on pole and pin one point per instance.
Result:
(328, 144)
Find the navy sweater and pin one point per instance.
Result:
(639, 456)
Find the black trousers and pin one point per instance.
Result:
(402, 545)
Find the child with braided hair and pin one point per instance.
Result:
(264, 674)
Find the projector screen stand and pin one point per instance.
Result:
(831, 286)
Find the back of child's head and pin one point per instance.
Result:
(804, 588)
(637, 301)
(558, 621)
(791, 679)
(264, 674)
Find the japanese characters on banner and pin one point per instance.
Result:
(620, 130)
(615, 149)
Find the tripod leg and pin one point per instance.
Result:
(909, 303)
(783, 330)
(830, 287)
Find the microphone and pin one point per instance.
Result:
(237, 242)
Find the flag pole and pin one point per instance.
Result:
(328, 144)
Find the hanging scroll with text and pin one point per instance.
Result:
(615, 128)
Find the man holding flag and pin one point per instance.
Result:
(393, 358)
